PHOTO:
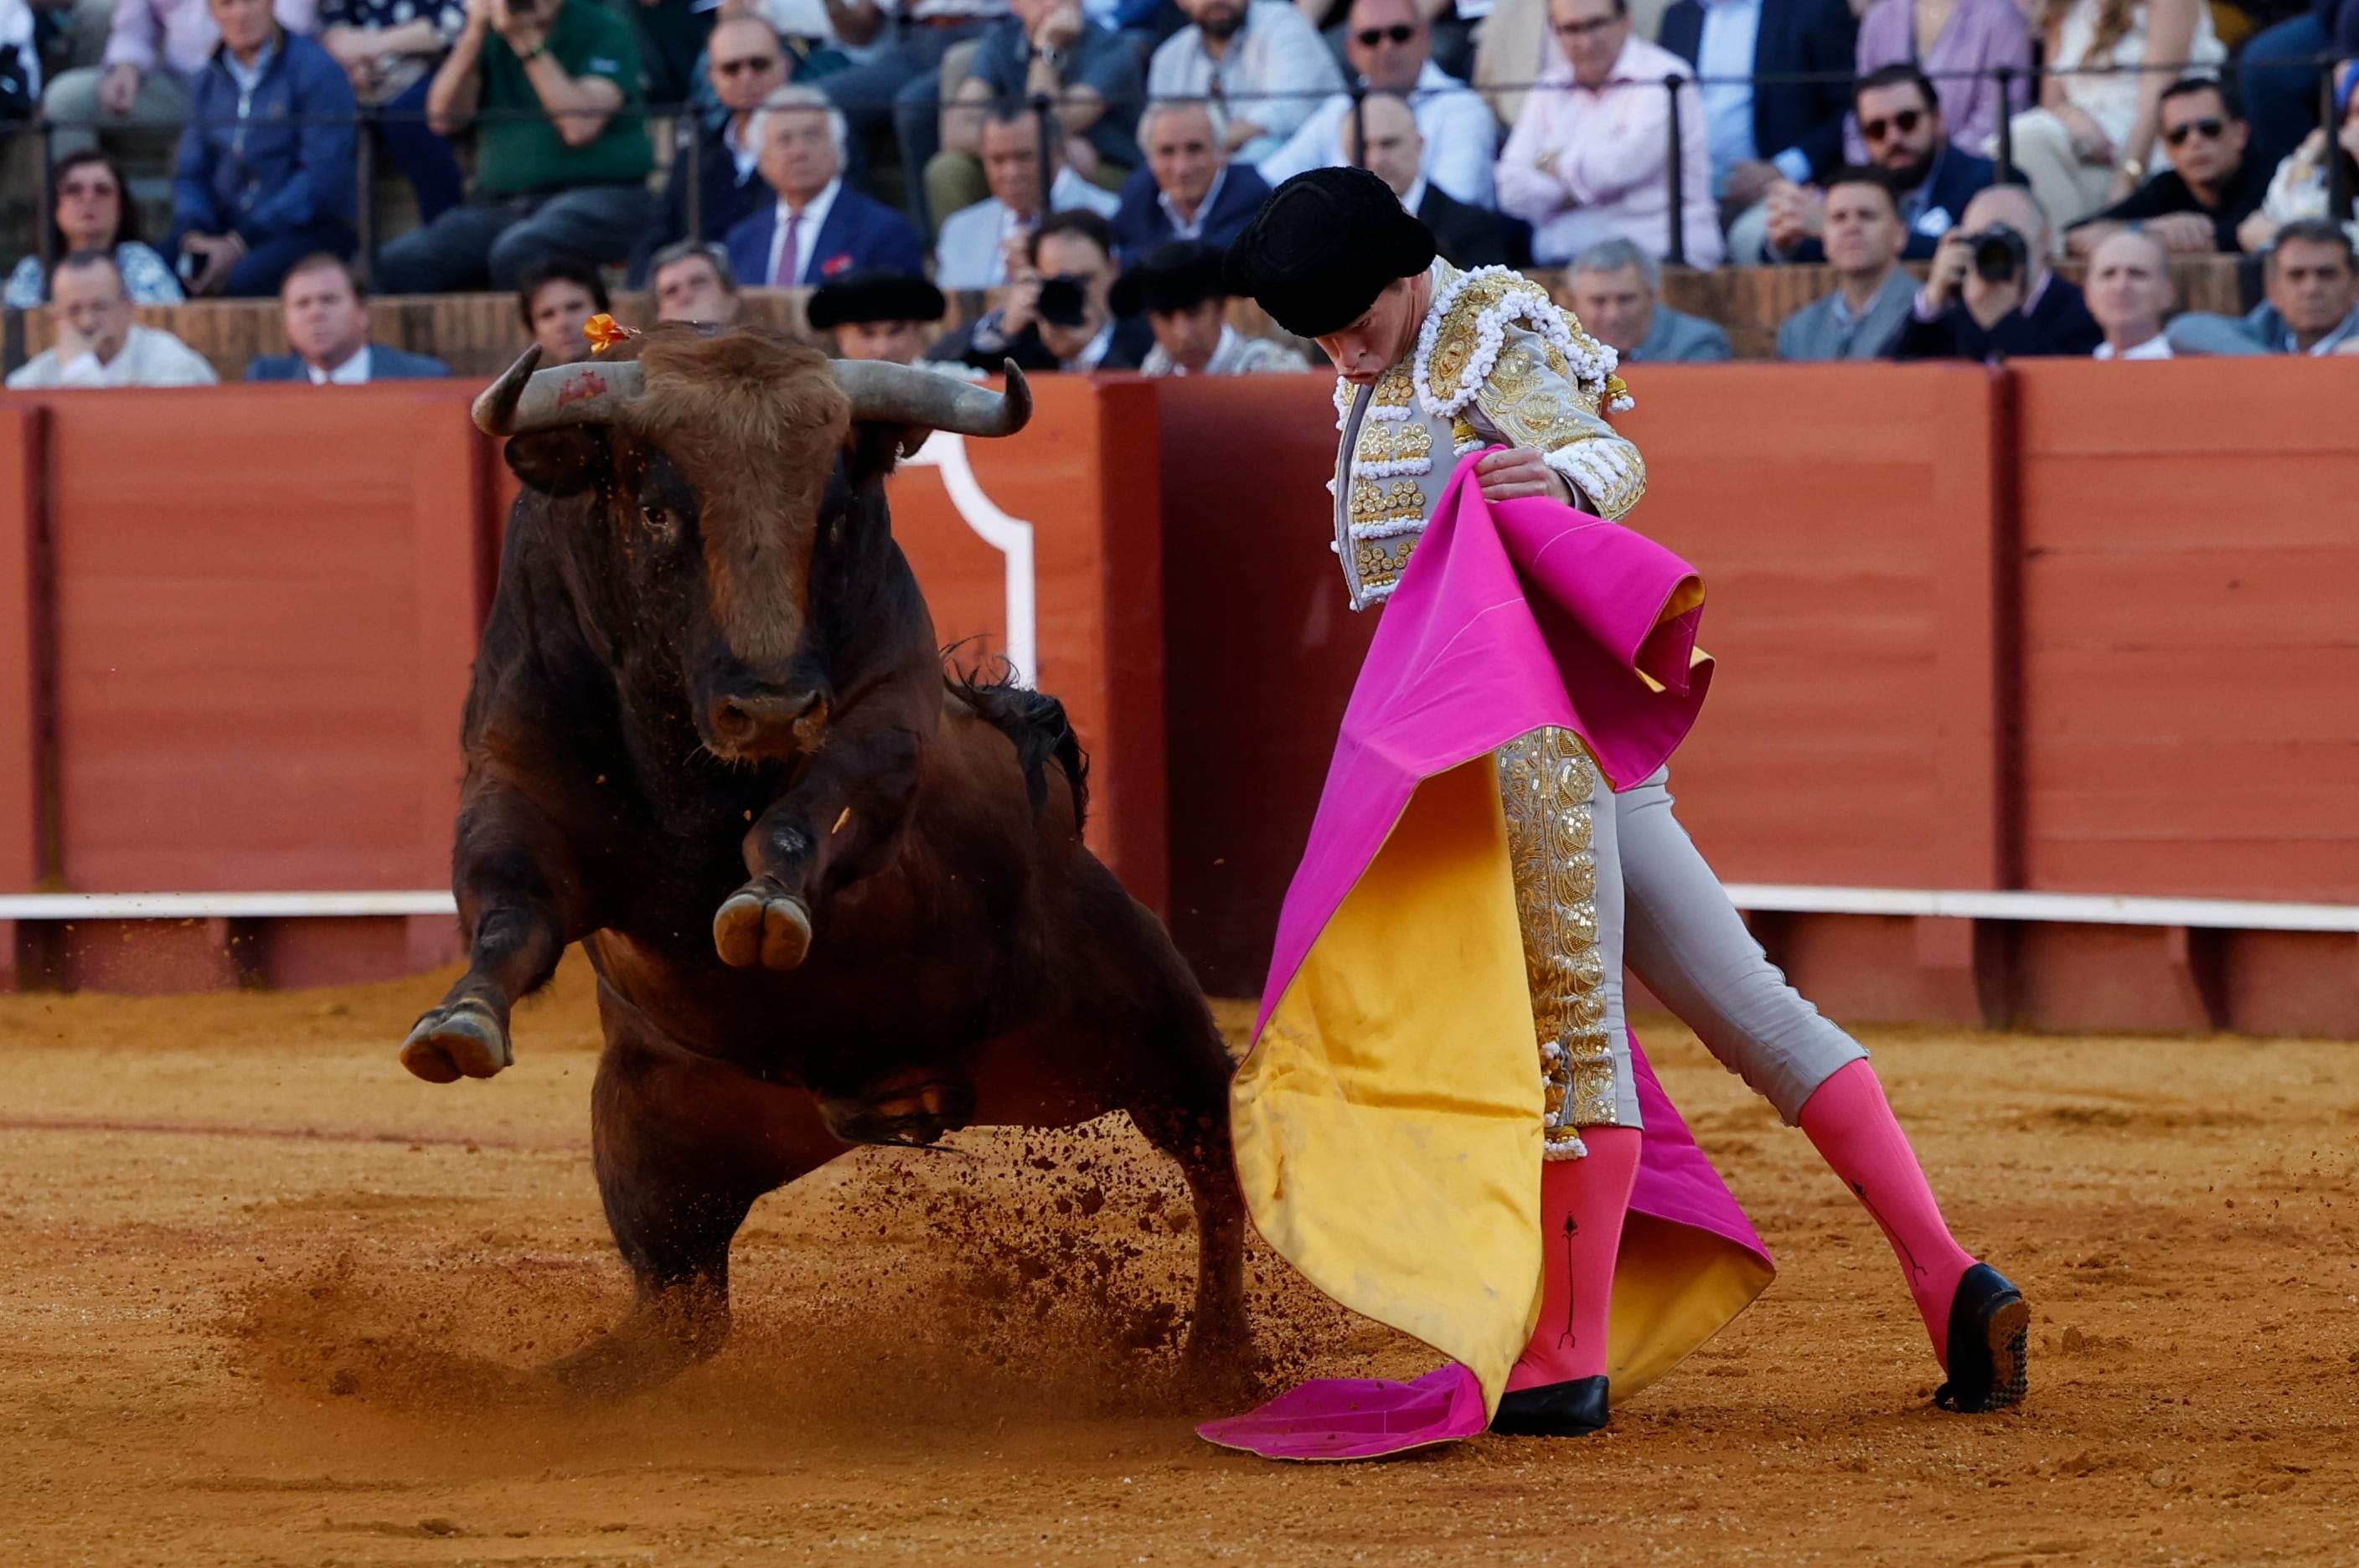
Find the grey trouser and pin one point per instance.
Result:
(71, 105)
(491, 239)
(1611, 879)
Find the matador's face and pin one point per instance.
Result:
(1383, 336)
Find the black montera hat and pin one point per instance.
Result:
(1178, 274)
(1323, 246)
(873, 294)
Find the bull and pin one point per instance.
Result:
(832, 895)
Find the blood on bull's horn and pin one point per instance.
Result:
(525, 399)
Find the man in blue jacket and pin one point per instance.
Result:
(1930, 177)
(1791, 126)
(818, 227)
(265, 174)
(1186, 188)
(745, 62)
(327, 318)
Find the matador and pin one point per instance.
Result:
(1444, 1120)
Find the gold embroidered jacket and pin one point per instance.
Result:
(1496, 362)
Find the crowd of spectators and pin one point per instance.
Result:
(1085, 161)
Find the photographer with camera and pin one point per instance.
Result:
(1990, 294)
(1057, 313)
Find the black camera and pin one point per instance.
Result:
(2001, 256)
(1064, 301)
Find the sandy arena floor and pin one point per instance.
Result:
(263, 1299)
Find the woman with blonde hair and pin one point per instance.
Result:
(2090, 141)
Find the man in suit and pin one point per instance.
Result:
(818, 226)
(1790, 128)
(1988, 297)
(1864, 236)
(1186, 188)
(693, 281)
(980, 245)
(327, 319)
(1931, 178)
(2312, 283)
(1616, 289)
(745, 63)
(1058, 310)
(1395, 152)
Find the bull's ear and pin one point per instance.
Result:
(561, 462)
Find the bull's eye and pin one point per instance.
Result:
(658, 519)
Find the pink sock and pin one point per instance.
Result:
(1582, 1206)
(1852, 1123)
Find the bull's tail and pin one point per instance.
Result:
(1035, 721)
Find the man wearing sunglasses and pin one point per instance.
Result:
(1930, 177)
(2214, 182)
(745, 63)
(1391, 47)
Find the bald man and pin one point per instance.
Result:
(1990, 294)
(2129, 293)
(1395, 153)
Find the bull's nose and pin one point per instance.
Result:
(741, 720)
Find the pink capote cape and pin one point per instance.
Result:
(1387, 1119)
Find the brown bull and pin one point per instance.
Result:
(830, 898)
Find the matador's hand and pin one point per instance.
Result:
(1518, 472)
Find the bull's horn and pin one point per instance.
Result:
(525, 399)
(905, 395)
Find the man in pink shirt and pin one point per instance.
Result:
(154, 50)
(1585, 162)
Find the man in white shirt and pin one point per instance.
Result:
(98, 343)
(976, 242)
(2129, 293)
(1391, 46)
(1585, 162)
(1262, 61)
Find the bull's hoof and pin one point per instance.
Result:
(771, 930)
(461, 1041)
(646, 1349)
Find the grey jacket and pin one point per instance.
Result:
(2261, 330)
(1816, 332)
(1676, 338)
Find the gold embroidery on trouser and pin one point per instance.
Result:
(1546, 781)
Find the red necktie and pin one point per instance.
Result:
(785, 278)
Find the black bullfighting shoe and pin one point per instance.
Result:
(1989, 1323)
(1554, 1409)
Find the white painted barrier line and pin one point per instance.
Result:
(222, 905)
(2073, 908)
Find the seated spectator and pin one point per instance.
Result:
(1391, 47)
(266, 173)
(1863, 239)
(2129, 294)
(818, 226)
(1970, 43)
(558, 166)
(693, 281)
(1189, 190)
(92, 211)
(1047, 49)
(327, 316)
(1586, 160)
(1057, 313)
(1178, 287)
(717, 156)
(1466, 236)
(1774, 85)
(97, 342)
(389, 50)
(898, 83)
(2214, 182)
(976, 242)
(2302, 186)
(1901, 122)
(1265, 62)
(2090, 141)
(1990, 294)
(155, 51)
(556, 296)
(2311, 285)
(1616, 288)
(877, 314)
